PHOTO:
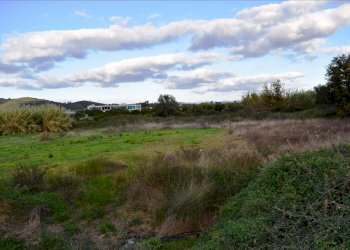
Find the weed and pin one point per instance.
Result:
(30, 178)
(71, 229)
(52, 241)
(106, 227)
(11, 243)
(68, 185)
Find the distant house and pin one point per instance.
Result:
(128, 107)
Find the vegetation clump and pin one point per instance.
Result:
(299, 202)
(47, 118)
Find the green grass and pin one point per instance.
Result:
(18, 150)
(299, 202)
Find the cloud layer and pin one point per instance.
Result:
(253, 32)
(203, 80)
(110, 75)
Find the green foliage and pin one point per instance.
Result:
(48, 204)
(299, 101)
(273, 95)
(275, 98)
(179, 244)
(11, 243)
(337, 89)
(71, 229)
(53, 242)
(106, 227)
(97, 166)
(166, 106)
(299, 202)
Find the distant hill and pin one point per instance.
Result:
(78, 105)
(6, 103)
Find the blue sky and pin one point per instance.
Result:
(197, 51)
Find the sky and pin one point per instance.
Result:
(197, 51)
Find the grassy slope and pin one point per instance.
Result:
(300, 202)
(127, 147)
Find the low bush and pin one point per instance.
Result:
(29, 178)
(299, 202)
(183, 190)
(97, 166)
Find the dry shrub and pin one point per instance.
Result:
(30, 178)
(21, 119)
(17, 120)
(287, 136)
(45, 136)
(187, 186)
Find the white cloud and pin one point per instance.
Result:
(153, 16)
(143, 68)
(110, 75)
(82, 13)
(118, 20)
(252, 33)
(335, 50)
(203, 80)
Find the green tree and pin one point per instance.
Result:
(166, 106)
(337, 89)
(273, 95)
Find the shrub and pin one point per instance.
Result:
(47, 118)
(97, 166)
(53, 119)
(300, 100)
(17, 120)
(106, 227)
(30, 178)
(299, 202)
(184, 189)
(68, 185)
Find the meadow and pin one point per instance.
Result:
(178, 186)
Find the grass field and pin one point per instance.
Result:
(127, 147)
(95, 189)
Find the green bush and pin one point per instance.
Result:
(300, 100)
(299, 202)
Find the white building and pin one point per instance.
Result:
(128, 107)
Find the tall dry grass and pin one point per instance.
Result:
(288, 136)
(181, 191)
(47, 118)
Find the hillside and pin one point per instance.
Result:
(79, 105)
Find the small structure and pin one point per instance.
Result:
(128, 107)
